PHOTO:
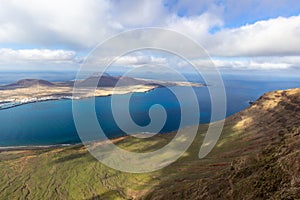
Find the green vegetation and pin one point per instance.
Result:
(257, 157)
(72, 173)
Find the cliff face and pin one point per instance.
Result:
(257, 157)
(261, 146)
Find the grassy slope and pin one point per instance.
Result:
(263, 145)
(257, 157)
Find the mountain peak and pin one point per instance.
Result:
(24, 83)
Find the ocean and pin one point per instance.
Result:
(51, 122)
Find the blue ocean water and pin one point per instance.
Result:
(52, 122)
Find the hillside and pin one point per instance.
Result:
(261, 149)
(257, 157)
(105, 81)
(25, 83)
(111, 81)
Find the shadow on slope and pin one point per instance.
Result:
(256, 158)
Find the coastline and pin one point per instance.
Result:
(15, 102)
(11, 104)
(103, 93)
(35, 147)
(54, 146)
(90, 143)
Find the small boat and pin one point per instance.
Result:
(251, 102)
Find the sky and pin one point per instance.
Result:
(238, 35)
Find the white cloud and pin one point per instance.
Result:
(82, 24)
(36, 55)
(67, 22)
(77, 24)
(196, 27)
(140, 60)
(138, 13)
(85, 23)
(280, 36)
(251, 64)
(132, 60)
(61, 57)
(240, 63)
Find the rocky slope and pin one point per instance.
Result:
(262, 145)
(257, 157)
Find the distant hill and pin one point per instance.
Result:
(111, 81)
(105, 81)
(24, 83)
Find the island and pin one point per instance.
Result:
(257, 156)
(35, 90)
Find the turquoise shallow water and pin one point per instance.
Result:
(51, 122)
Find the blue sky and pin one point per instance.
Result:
(239, 35)
(237, 13)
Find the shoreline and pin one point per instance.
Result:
(54, 146)
(57, 98)
(35, 147)
(142, 135)
(28, 91)
(16, 104)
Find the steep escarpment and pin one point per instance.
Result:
(261, 146)
(257, 157)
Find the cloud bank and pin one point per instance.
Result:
(59, 30)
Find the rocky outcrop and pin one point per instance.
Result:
(261, 146)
